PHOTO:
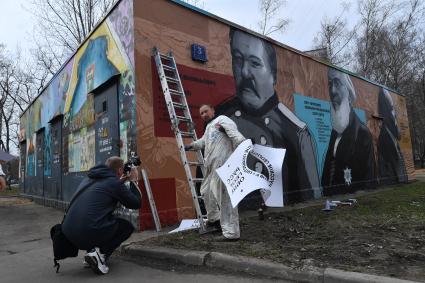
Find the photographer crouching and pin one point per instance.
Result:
(90, 224)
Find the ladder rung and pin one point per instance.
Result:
(179, 105)
(186, 134)
(175, 92)
(195, 163)
(181, 118)
(165, 57)
(172, 79)
(168, 68)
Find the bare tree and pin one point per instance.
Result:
(10, 89)
(415, 101)
(374, 16)
(391, 51)
(196, 3)
(335, 37)
(270, 21)
(62, 25)
(402, 45)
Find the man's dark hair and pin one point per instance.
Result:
(271, 53)
(385, 111)
(115, 163)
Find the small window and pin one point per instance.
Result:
(104, 106)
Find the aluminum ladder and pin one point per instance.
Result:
(181, 124)
(151, 201)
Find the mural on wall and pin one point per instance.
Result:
(277, 97)
(350, 158)
(390, 159)
(121, 19)
(260, 115)
(316, 113)
(93, 69)
(108, 52)
(330, 148)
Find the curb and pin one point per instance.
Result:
(254, 266)
(182, 256)
(335, 275)
(261, 267)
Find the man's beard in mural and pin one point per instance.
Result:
(341, 115)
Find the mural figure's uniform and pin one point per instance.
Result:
(276, 126)
(352, 163)
(218, 146)
(390, 159)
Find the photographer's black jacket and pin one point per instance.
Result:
(89, 221)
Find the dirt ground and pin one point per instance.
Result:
(383, 234)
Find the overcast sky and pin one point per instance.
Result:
(16, 23)
(305, 17)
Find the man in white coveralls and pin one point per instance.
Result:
(221, 137)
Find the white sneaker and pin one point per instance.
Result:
(96, 260)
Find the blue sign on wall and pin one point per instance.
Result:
(199, 53)
(316, 114)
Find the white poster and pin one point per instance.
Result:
(187, 224)
(240, 180)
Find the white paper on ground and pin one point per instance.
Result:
(186, 224)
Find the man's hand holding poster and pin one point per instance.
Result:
(252, 167)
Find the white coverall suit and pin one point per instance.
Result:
(218, 146)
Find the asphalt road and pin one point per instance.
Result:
(26, 254)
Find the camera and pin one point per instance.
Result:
(133, 161)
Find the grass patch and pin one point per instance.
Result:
(384, 233)
(13, 191)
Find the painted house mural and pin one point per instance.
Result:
(342, 132)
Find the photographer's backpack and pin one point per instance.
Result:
(62, 247)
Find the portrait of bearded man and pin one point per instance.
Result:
(260, 116)
(350, 161)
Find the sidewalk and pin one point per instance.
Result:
(420, 174)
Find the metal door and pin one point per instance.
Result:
(23, 166)
(39, 169)
(107, 122)
(53, 183)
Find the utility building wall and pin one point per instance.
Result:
(85, 114)
(342, 133)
